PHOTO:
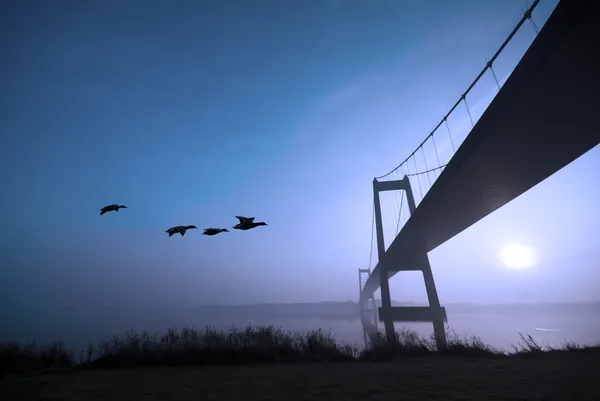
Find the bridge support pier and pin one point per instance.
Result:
(415, 261)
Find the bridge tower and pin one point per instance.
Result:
(368, 309)
(417, 260)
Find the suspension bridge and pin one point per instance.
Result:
(543, 117)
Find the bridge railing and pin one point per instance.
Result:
(426, 162)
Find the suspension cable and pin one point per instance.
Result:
(436, 151)
(464, 98)
(372, 233)
(396, 195)
(450, 135)
(428, 171)
(400, 212)
(418, 179)
(528, 15)
(426, 168)
(386, 226)
(535, 28)
(491, 68)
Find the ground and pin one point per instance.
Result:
(556, 376)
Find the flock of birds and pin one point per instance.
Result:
(246, 223)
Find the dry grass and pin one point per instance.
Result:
(167, 368)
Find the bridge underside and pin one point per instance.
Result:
(544, 117)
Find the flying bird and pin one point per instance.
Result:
(111, 208)
(179, 229)
(247, 223)
(214, 231)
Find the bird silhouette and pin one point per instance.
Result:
(179, 229)
(246, 223)
(214, 231)
(111, 208)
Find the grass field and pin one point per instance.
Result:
(259, 369)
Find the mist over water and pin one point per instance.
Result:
(498, 326)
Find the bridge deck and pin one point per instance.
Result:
(544, 117)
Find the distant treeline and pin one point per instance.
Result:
(349, 310)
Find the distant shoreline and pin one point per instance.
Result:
(349, 310)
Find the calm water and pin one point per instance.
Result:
(499, 329)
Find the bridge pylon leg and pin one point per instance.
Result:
(438, 313)
(386, 300)
(415, 261)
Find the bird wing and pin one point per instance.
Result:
(241, 218)
(102, 211)
(249, 219)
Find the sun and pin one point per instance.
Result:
(516, 256)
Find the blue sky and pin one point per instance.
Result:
(194, 112)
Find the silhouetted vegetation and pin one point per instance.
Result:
(16, 358)
(252, 345)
